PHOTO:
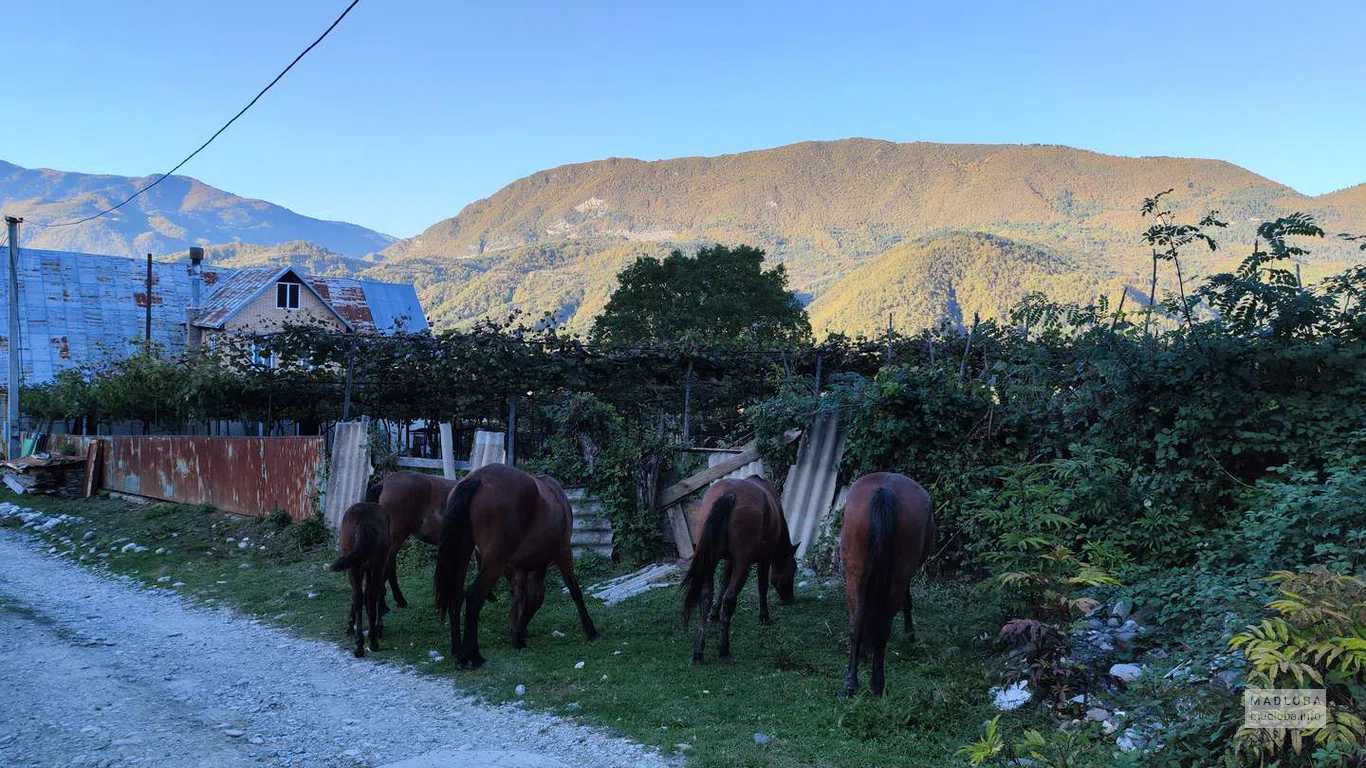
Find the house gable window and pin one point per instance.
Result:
(287, 295)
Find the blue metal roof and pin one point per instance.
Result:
(77, 308)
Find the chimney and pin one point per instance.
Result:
(196, 285)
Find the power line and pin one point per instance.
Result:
(216, 134)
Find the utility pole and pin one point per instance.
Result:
(12, 382)
(147, 334)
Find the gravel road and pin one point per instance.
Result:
(97, 671)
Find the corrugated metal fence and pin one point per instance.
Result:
(247, 475)
(810, 486)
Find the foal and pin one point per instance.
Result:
(887, 536)
(744, 525)
(365, 542)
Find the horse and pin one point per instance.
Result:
(521, 524)
(743, 525)
(414, 502)
(887, 537)
(365, 542)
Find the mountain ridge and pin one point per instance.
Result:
(177, 213)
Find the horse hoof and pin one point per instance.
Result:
(596, 637)
(696, 661)
(350, 631)
(400, 602)
(474, 662)
(766, 621)
(374, 646)
(360, 653)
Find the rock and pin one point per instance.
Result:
(467, 757)
(1112, 623)
(244, 544)
(683, 746)
(129, 547)
(556, 633)
(257, 740)
(128, 742)
(163, 579)
(234, 732)
(1122, 609)
(809, 573)
(1078, 699)
(434, 656)
(578, 665)
(1130, 741)
(1099, 714)
(312, 596)
(88, 536)
(763, 739)
(574, 706)
(1127, 672)
(161, 550)
(1230, 677)
(520, 690)
(802, 584)
(1012, 697)
(178, 584)
(1102, 642)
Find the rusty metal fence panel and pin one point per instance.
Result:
(247, 475)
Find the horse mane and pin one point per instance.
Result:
(708, 552)
(877, 573)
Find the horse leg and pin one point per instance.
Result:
(907, 623)
(700, 642)
(764, 618)
(737, 583)
(516, 585)
(357, 578)
(725, 579)
(374, 587)
(855, 642)
(532, 596)
(489, 573)
(883, 632)
(565, 562)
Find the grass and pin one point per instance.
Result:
(636, 680)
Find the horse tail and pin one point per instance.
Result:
(456, 531)
(372, 491)
(878, 567)
(708, 552)
(360, 549)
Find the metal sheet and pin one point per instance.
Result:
(247, 475)
(810, 486)
(756, 467)
(349, 471)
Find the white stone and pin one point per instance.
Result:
(1127, 672)
(1011, 697)
(578, 665)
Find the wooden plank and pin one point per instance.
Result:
(697, 482)
(447, 452)
(92, 467)
(416, 463)
(678, 523)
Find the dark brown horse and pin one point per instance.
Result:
(365, 544)
(743, 524)
(521, 525)
(887, 536)
(414, 502)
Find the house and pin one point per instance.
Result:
(77, 308)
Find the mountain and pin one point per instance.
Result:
(177, 213)
(864, 227)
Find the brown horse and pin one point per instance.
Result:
(521, 525)
(887, 536)
(365, 542)
(743, 525)
(414, 502)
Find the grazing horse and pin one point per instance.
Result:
(414, 502)
(521, 524)
(365, 542)
(887, 536)
(743, 524)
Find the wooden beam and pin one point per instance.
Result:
(416, 463)
(702, 479)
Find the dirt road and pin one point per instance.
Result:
(97, 671)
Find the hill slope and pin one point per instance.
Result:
(176, 214)
(826, 208)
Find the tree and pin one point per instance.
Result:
(721, 296)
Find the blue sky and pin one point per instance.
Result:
(413, 108)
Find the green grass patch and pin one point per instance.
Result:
(637, 681)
